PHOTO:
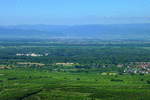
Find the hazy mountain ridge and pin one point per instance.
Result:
(114, 31)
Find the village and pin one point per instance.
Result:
(31, 54)
(138, 67)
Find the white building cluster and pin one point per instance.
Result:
(31, 54)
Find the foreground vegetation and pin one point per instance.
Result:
(34, 84)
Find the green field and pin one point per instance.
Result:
(34, 84)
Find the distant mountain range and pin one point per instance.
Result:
(112, 31)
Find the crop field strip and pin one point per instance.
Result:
(27, 84)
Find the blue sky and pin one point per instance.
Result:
(69, 12)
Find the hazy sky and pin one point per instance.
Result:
(74, 11)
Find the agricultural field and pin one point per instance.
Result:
(33, 84)
(83, 70)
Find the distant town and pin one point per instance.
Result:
(31, 54)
